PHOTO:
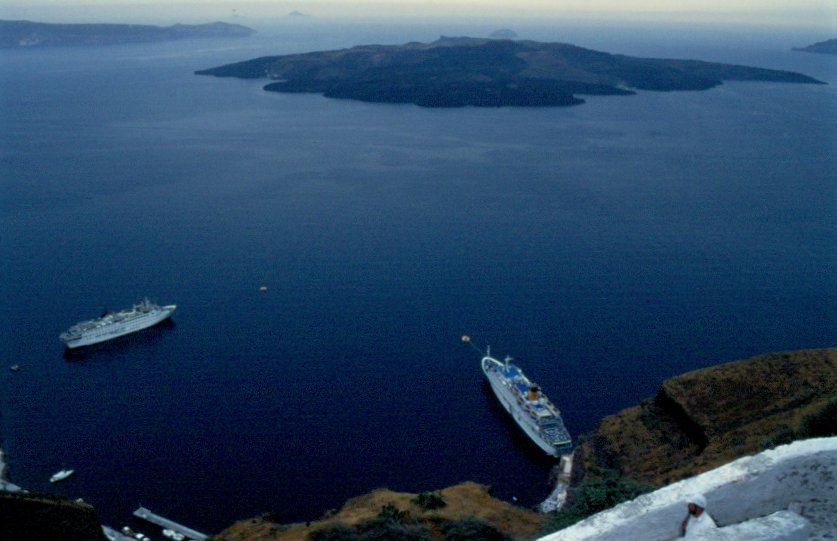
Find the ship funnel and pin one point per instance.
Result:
(533, 393)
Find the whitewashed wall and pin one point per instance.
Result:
(747, 488)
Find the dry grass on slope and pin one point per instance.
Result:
(727, 397)
(703, 419)
(463, 501)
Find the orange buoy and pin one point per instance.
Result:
(466, 338)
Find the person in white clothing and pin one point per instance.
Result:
(698, 520)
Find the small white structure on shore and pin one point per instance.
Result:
(556, 498)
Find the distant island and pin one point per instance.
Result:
(824, 47)
(21, 34)
(455, 72)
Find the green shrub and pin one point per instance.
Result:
(594, 495)
(472, 529)
(563, 518)
(338, 532)
(392, 513)
(376, 529)
(384, 529)
(429, 501)
(784, 434)
(820, 424)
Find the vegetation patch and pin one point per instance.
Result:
(822, 423)
(594, 494)
(430, 501)
(399, 527)
(384, 514)
(472, 529)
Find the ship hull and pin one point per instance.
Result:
(115, 331)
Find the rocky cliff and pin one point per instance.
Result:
(702, 419)
(42, 516)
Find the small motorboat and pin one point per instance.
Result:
(171, 534)
(14, 367)
(60, 476)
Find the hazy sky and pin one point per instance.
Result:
(817, 13)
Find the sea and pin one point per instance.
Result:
(605, 247)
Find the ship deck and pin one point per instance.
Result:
(542, 409)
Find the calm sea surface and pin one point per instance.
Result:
(606, 247)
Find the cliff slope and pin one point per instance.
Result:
(42, 516)
(463, 501)
(703, 419)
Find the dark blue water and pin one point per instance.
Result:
(606, 247)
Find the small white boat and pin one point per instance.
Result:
(171, 534)
(60, 476)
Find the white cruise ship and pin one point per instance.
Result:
(528, 406)
(115, 324)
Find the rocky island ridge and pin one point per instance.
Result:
(28, 34)
(828, 46)
(483, 72)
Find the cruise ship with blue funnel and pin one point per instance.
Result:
(530, 408)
